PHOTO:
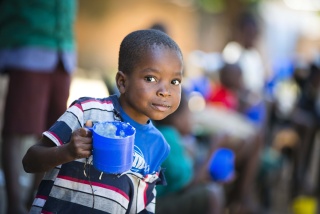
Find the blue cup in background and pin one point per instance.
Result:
(221, 167)
(113, 146)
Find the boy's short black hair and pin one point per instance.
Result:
(136, 44)
(159, 26)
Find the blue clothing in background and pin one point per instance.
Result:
(37, 59)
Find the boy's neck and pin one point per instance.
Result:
(132, 114)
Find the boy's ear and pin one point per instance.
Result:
(121, 82)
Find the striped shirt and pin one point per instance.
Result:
(77, 187)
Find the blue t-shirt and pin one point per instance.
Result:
(150, 148)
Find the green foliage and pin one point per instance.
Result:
(212, 6)
(218, 6)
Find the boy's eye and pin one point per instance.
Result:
(176, 82)
(150, 79)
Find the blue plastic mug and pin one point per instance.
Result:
(221, 167)
(113, 146)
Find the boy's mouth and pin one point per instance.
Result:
(161, 107)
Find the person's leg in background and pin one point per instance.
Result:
(56, 105)
(23, 116)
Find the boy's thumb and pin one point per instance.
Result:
(89, 123)
(83, 132)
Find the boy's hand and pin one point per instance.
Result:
(80, 145)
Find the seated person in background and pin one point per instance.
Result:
(188, 190)
(305, 121)
(231, 95)
(224, 93)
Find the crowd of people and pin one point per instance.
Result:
(241, 94)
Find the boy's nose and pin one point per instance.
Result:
(163, 92)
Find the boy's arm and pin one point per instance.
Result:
(46, 155)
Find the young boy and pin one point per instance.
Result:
(149, 77)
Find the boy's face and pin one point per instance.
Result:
(153, 89)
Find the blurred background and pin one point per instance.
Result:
(285, 51)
